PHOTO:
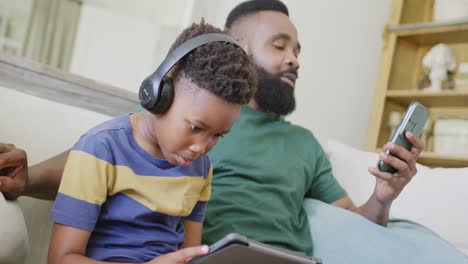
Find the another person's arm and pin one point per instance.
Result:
(44, 178)
(13, 171)
(40, 181)
(388, 186)
(68, 245)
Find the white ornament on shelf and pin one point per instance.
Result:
(440, 60)
(393, 121)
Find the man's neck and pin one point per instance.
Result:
(253, 104)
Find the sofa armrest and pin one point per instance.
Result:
(13, 233)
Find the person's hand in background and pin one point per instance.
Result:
(13, 171)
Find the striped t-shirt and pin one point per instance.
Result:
(133, 203)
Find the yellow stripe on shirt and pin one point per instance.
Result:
(91, 179)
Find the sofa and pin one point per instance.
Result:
(13, 233)
(434, 198)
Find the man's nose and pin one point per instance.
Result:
(292, 60)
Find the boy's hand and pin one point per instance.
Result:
(180, 256)
(13, 171)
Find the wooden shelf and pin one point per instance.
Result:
(431, 33)
(442, 160)
(408, 36)
(49, 83)
(452, 98)
(433, 160)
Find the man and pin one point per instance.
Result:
(266, 167)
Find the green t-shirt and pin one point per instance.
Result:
(263, 170)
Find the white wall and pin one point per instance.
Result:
(341, 43)
(121, 44)
(113, 48)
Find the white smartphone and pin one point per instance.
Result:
(413, 120)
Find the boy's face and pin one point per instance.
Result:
(195, 122)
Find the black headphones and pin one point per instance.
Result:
(157, 92)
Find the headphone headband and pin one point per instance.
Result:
(177, 54)
(151, 90)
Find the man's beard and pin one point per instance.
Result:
(274, 95)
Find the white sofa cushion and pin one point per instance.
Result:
(435, 197)
(13, 233)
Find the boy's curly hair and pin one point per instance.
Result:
(222, 68)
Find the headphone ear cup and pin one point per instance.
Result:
(146, 94)
(166, 95)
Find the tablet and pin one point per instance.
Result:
(235, 248)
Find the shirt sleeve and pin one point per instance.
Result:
(198, 212)
(324, 185)
(83, 188)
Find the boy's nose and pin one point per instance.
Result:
(199, 148)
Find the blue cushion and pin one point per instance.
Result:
(341, 236)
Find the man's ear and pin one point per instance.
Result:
(175, 71)
(243, 44)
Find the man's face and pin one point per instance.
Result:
(275, 49)
(194, 123)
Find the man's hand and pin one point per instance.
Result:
(13, 171)
(180, 256)
(389, 186)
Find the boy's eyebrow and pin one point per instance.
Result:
(203, 125)
(287, 37)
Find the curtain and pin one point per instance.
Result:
(14, 17)
(51, 32)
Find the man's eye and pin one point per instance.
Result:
(279, 47)
(219, 135)
(195, 129)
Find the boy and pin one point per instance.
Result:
(135, 187)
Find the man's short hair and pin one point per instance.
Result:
(253, 6)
